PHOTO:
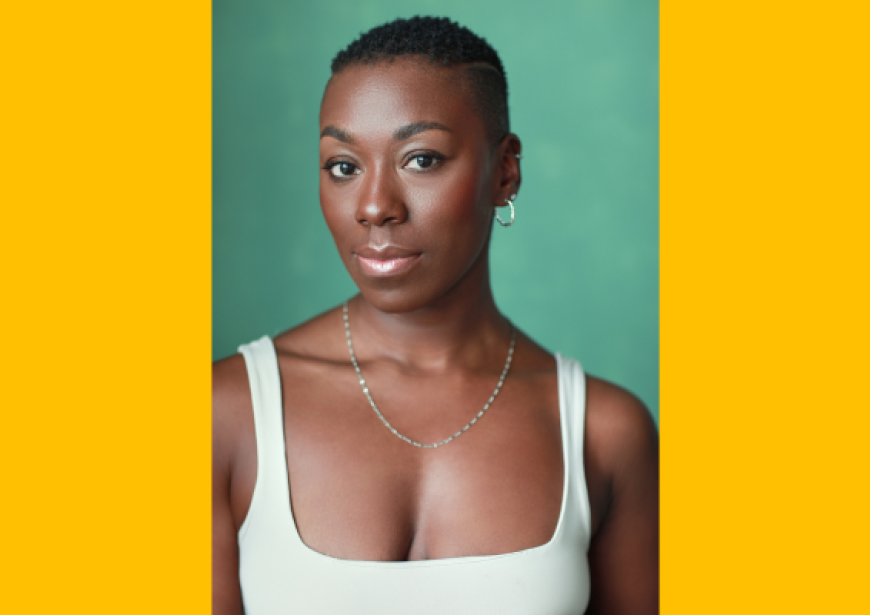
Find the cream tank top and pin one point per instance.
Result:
(279, 574)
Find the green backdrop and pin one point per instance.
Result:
(579, 269)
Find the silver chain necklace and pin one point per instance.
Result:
(365, 389)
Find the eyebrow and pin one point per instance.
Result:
(401, 134)
(337, 133)
(406, 132)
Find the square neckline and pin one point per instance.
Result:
(444, 561)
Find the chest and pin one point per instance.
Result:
(359, 492)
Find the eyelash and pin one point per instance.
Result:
(433, 156)
(436, 160)
(331, 165)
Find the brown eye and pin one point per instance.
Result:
(343, 169)
(421, 162)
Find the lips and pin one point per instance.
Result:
(384, 261)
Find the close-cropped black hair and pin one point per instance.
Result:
(445, 43)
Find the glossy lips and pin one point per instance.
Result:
(385, 261)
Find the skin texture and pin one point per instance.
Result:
(405, 162)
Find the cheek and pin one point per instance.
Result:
(457, 202)
(335, 213)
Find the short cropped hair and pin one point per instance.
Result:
(445, 43)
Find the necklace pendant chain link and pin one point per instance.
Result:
(368, 394)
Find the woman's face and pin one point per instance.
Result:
(408, 180)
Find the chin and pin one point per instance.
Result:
(404, 294)
(396, 300)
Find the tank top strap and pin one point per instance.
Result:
(271, 490)
(572, 400)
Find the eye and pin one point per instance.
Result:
(342, 169)
(421, 162)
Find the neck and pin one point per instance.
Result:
(461, 329)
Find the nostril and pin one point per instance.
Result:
(378, 215)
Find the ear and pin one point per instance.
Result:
(507, 177)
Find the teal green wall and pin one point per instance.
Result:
(579, 269)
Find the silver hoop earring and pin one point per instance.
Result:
(510, 203)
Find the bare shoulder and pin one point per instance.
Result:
(533, 357)
(232, 412)
(620, 432)
(232, 427)
(622, 477)
(229, 378)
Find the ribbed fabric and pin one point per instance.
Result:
(281, 575)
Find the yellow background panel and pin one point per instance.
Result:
(764, 307)
(105, 249)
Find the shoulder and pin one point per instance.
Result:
(615, 413)
(620, 452)
(621, 436)
(229, 380)
(622, 476)
(232, 410)
(230, 391)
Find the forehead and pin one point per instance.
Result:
(372, 98)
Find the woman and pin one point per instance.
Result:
(412, 450)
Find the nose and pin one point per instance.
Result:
(381, 200)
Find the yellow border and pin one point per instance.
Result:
(764, 223)
(105, 245)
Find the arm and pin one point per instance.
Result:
(226, 591)
(624, 552)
